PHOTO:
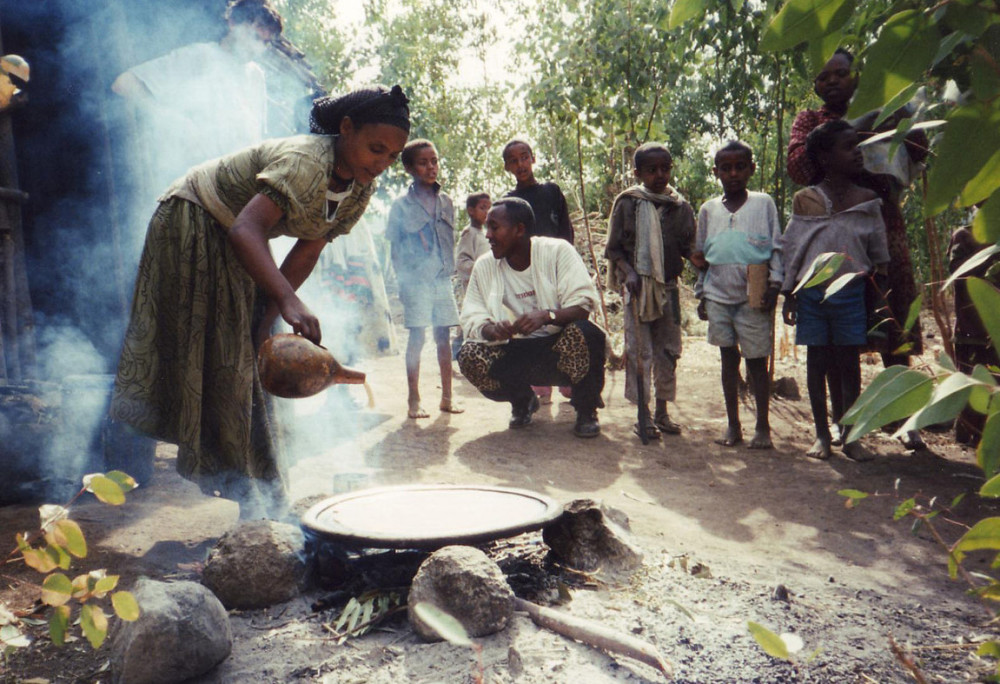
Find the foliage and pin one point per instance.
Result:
(52, 548)
(363, 613)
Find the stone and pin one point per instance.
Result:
(257, 564)
(590, 536)
(787, 388)
(183, 631)
(466, 584)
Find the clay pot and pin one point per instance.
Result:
(292, 367)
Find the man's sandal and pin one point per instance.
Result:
(652, 432)
(664, 424)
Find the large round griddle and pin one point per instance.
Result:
(429, 516)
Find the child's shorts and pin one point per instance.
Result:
(841, 320)
(730, 325)
(429, 303)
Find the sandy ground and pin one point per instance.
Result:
(754, 519)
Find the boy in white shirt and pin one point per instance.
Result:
(737, 230)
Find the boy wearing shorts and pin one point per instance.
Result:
(421, 233)
(736, 231)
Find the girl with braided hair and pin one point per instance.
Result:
(208, 288)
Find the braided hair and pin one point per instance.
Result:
(365, 106)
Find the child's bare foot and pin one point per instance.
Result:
(820, 449)
(731, 437)
(761, 440)
(416, 411)
(449, 406)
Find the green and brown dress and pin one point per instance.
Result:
(188, 372)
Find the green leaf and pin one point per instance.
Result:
(971, 137)
(957, 500)
(986, 224)
(769, 641)
(985, 534)
(973, 262)
(43, 560)
(989, 648)
(984, 183)
(988, 451)
(803, 20)
(106, 490)
(821, 269)
(820, 50)
(914, 313)
(897, 101)
(69, 535)
(896, 393)
(985, 79)
(104, 585)
(986, 299)
(684, 10)
(991, 488)
(853, 493)
(967, 18)
(905, 49)
(903, 509)
(125, 605)
(94, 624)
(839, 284)
(58, 624)
(57, 589)
(946, 402)
(124, 480)
(446, 626)
(948, 44)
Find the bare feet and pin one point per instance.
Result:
(820, 449)
(856, 452)
(732, 436)
(449, 406)
(416, 411)
(761, 440)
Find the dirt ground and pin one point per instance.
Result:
(748, 521)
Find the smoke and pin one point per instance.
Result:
(94, 163)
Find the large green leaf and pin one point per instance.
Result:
(986, 299)
(94, 624)
(946, 402)
(125, 605)
(803, 20)
(904, 50)
(986, 224)
(984, 183)
(913, 313)
(683, 10)
(970, 139)
(821, 270)
(772, 644)
(973, 262)
(105, 489)
(57, 589)
(896, 393)
(820, 50)
(68, 535)
(988, 451)
(58, 624)
(985, 534)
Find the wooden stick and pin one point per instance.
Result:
(640, 374)
(596, 635)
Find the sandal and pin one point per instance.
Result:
(664, 424)
(652, 432)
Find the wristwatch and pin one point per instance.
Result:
(552, 316)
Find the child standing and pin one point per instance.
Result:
(549, 205)
(472, 244)
(834, 215)
(651, 232)
(421, 233)
(734, 231)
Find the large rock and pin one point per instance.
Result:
(256, 564)
(464, 583)
(590, 536)
(182, 632)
